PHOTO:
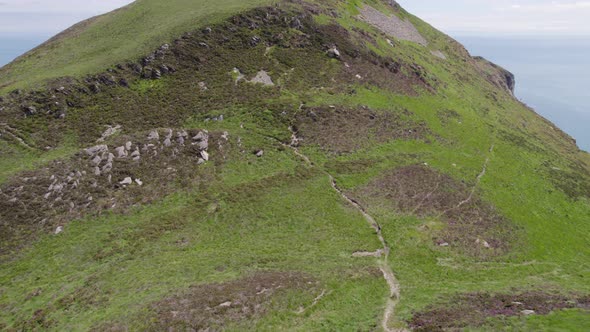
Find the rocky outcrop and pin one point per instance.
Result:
(496, 74)
(392, 25)
(263, 78)
(103, 177)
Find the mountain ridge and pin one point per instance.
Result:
(225, 179)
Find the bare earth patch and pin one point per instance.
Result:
(392, 25)
(472, 310)
(211, 306)
(472, 225)
(343, 130)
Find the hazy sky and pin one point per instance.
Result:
(48, 17)
(523, 17)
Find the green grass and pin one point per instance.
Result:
(560, 321)
(17, 159)
(126, 34)
(275, 213)
(296, 224)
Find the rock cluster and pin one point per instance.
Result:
(99, 176)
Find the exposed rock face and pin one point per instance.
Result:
(392, 25)
(262, 77)
(496, 74)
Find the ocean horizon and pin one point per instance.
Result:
(551, 76)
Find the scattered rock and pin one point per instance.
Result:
(109, 132)
(334, 53)
(94, 88)
(225, 304)
(126, 181)
(259, 153)
(205, 155)
(96, 149)
(255, 41)
(153, 135)
(296, 24)
(262, 77)
(392, 25)
(30, 110)
(165, 69)
(58, 230)
(527, 312)
(483, 243)
(203, 86)
(121, 152)
(139, 182)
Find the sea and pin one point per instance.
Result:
(552, 73)
(552, 76)
(11, 47)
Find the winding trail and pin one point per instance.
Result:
(382, 254)
(477, 181)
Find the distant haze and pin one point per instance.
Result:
(551, 76)
(523, 17)
(504, 17)
(48, 17)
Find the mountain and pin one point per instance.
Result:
(282, 165)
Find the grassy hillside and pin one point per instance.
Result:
(100, 42)
(296, 167)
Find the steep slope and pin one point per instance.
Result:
(310, 165)
(97, 43)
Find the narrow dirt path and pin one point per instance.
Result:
(477, 181)
(382, 254)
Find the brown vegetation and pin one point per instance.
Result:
(473, 225)
(343, 130)
(212, 306)
(472, 310)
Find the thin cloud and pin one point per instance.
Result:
(46, 18)
(60, 6)
(553, 7)
(524, 17)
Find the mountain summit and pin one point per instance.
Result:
(282, 165)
